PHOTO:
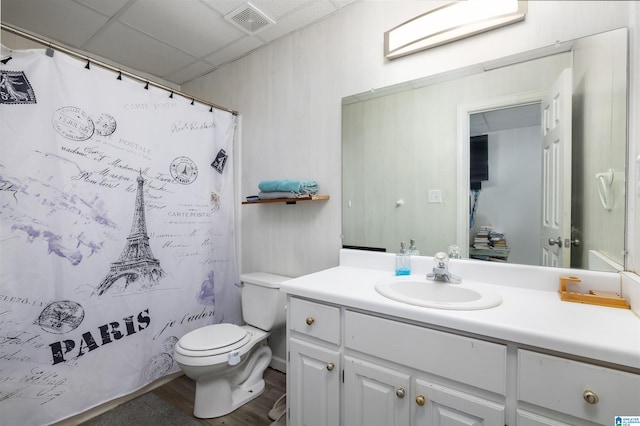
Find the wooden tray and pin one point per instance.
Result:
(594, 297)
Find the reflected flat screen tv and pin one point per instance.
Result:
(478, 160)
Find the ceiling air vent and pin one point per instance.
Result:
(249, 19)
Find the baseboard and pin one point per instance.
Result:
(103, 408)
(279, 364)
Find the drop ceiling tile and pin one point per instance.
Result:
(199, 31)
(189, 72)
(303, 16)
(272, 8)
(234, 50)
(124, 45)
(224, 6)
(343, 3)
(159, 37)
(64, 21)
(108, 8)
(278, 9)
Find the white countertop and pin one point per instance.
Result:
(530, 313)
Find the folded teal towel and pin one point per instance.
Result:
(302, 188)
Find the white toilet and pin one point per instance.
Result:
(228, 361)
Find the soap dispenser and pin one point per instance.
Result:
(403, 261)
(413, 251)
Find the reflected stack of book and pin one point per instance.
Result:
(482, 240)
(489, 244)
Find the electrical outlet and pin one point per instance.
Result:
(435, 196)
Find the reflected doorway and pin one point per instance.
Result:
(506, 207)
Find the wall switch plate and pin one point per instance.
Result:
(434, 196)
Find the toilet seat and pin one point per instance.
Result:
(212, 340)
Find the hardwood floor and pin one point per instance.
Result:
(180, 393)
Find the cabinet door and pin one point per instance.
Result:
(437, 405)
(530, 419)
(313, 382)
(375, 395)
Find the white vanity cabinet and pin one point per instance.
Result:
(376, 395)
(314, 370)
(551, 387)
(404, 374)
(353, 367)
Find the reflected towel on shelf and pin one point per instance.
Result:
(302, 188)
(276, 195)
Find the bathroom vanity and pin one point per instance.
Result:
(356, 357)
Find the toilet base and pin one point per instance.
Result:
(226, 401)
(221, 393)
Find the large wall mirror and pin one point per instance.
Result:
(547, 128)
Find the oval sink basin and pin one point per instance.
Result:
(436, 294)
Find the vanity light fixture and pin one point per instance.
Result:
(453, 21)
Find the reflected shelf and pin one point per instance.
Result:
(289, 200)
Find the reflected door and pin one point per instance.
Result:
(556, 173)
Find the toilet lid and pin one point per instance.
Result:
(214, 339)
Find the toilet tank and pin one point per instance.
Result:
(263, 304)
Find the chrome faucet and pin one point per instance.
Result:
(441, 270)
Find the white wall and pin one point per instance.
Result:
(289, 96)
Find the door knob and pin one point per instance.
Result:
(330, 366)
(310, 320)
(557, 241)
(420, 400)
(400, 392)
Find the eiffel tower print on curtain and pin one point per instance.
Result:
(136, 262)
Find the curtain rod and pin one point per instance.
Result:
(109, 67)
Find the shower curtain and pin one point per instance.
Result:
(116, 232)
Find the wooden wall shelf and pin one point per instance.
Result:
(289, 200)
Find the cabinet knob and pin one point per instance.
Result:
(420, 400)
(310, 320)
(590, 396)
(330, 366)
(400, 392)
